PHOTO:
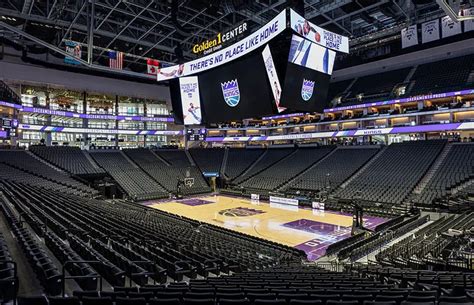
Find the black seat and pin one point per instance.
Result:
(113, 294)
(380, 303)
(450, 299)
(97, 301)
(130, 301)
(417, 303)
(87, 293)
(233, 302)
(269, 302)
(33, 300)
(171, 301)
(63, 301)
(333, 302)
(188, 301)
(305, 302)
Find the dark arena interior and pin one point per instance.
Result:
(227, 152)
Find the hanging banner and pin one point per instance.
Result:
(469, 24)
(450, 27)
(255, 40)
(272, 77)
(430, 31)
(190, 100)
(74, 49)
(410, 36)
(318, 35)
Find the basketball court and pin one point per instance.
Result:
(309, 230)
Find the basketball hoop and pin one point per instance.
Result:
(452, 9)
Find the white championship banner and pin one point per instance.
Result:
(318, 205)
(272, 77)
(282, 200)
(318, 35)
(469, 24)
(450, 27)
(410, 36)
(255, 40)
(430, 31)
(190, 100)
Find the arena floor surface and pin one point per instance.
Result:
(309, 230)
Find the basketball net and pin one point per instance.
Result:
(452, 9)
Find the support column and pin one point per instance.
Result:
(85, 122)
(116, 121)
(145, 123)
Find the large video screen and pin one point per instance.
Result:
(304, 89)
(310, 55)
(190, 100)
(236, 91)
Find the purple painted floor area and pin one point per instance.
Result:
(194, 202)
(326, 234)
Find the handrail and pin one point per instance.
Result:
(64, 277)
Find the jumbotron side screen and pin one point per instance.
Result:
(237, 90)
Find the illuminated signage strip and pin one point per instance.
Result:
(403, 100)
(255, 40)
(351, 133)
(86, 116)
(99, 131)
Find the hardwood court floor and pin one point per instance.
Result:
(309, 230)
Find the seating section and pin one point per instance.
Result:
(239, 159)
(394, 174)
(287, 168)
(456, 168)
(18, 165)
(270, 157)
(136, 183)
(333, 170)
(70, 159)
(432, 244)
(441, 76)
(376, 86)
(141, 243)
(8, 95)
(8, 273)
(208, 160)
(338, 88)
(167, 167)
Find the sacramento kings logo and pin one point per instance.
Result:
(240, 212)
(307, 90)
(231, 92)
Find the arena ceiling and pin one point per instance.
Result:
(153, 28)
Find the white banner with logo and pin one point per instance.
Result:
(430, 31)
(450, 27)
(272, 77)
(282, 200)
(255, 196)
(318, 35)
(190, 100)
(255, 40)
(410, 36)
(469, 24)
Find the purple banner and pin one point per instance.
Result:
(283, 116)
(3, 134)
(403, 100)
(86, 116)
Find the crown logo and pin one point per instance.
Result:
(308, 83)
(231, 92)
(307, 89)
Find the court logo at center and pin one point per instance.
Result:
(231, 92)
(307, 90)
(240, 212)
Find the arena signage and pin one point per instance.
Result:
(86, 116)
(318, 35)
(404, 100)
(212, 45)
(351, 133)
(255, 40)
(282, 200)
(99, 130)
